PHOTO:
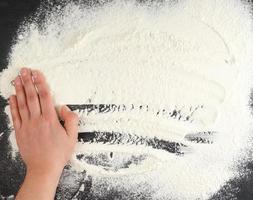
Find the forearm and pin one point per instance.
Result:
(39, 185)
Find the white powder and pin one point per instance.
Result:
(185, 55)
(1, 134)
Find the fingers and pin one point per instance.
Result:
(46, 102)
(32, 102)
(21, 99)
(70, 121)
(30, 92)
(15, 112)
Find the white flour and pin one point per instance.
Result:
(186, 55)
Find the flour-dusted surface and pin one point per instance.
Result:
(174, 73)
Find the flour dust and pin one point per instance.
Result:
(162, 90)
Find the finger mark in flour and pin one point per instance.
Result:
(113, 138)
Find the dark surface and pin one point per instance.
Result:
(12, 13)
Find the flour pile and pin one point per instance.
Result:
(174, 70)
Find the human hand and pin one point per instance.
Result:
(44, 144)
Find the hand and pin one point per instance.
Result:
(44, 144)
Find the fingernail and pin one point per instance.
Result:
(34, 74)
(67, 108)
(23, 72)
(17, 81)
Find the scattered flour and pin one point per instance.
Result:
(176, 55)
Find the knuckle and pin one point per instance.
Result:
(44, 94)
(26, 80)
(39, 121)
(40, 124)
(22, 106)
(73, 116)
(19, 89)
(31, 96)
(13, 107)
(47, 118)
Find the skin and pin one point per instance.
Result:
(44, 144)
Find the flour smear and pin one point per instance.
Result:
(188, 61)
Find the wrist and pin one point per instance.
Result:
(39, 183)
(46, 173)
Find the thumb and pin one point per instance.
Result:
(70, 121)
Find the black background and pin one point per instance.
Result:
(12, 13)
